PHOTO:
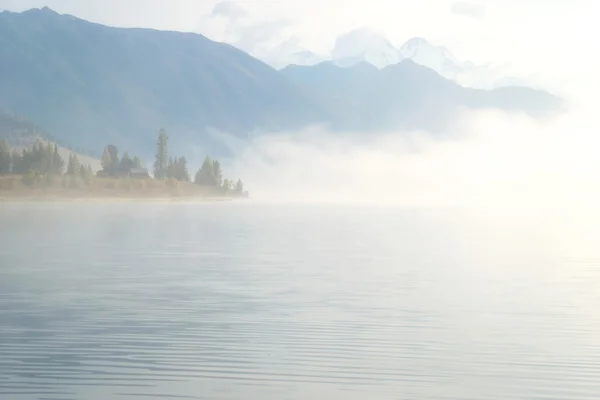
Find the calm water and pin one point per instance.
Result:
(243, 301)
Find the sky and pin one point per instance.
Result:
(546, 37)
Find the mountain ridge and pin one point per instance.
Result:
(89, 85)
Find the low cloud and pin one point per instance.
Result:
(468, 9)
(486, 158)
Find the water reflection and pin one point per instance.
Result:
(227, 301)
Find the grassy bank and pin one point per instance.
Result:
(15, 187)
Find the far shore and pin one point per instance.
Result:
(72, 189)
(110, 199)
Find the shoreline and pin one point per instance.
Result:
(69, 189)
(113, 199)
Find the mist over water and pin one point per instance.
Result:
(242, 300)
(485, 158)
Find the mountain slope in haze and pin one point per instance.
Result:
(409, 95)
(94, 85)
(21, 133)
(90, 85)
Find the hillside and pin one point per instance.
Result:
(21, 133)
(93, 84)
(90, 85)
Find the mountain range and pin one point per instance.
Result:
(366, 45)
(90, 85)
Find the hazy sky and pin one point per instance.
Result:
(535, 35)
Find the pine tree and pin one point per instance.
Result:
(181, 171)
(87, 173)
(57, 164)
(106, 160)
(82, 172)
(162, 155)
(239, 187)
(5, 158)
(74, 166)
(205, 175)
(226, 185)
(114, 158)
(17, 163)
(126, 163)
(70, 165)
(217, 173)
(170, 168)
(137, 162)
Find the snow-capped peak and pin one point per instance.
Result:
(438, 58)
(364, 45)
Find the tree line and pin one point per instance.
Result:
(44, 160)
(40, 160)
(209, 174)
(114, 166)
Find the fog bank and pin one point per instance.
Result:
(485, 158)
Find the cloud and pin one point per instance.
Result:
(269, 40)
(468, 9)
(229, 10)
(255, 36)
(486, 158)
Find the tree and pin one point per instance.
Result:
(110, 160)
(5, 158)
(137, 162)
(206, 175)
(85, 172)
(17, 163)
(106, 160)
(170, 169)
(239, 187)
(126, 163)
(227, 185)
(114, 155)
(181, 171)
(218, 174)
(57, 164)
(74, 166)
(162, 155)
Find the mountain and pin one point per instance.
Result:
(438, 58)
(91, 84)
(364, 45)
(21, 133)
(408, 95)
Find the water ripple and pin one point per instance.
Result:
(185, 306)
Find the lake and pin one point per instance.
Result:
(255, 301)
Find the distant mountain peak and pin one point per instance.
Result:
(416, 41)
(364, 45)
